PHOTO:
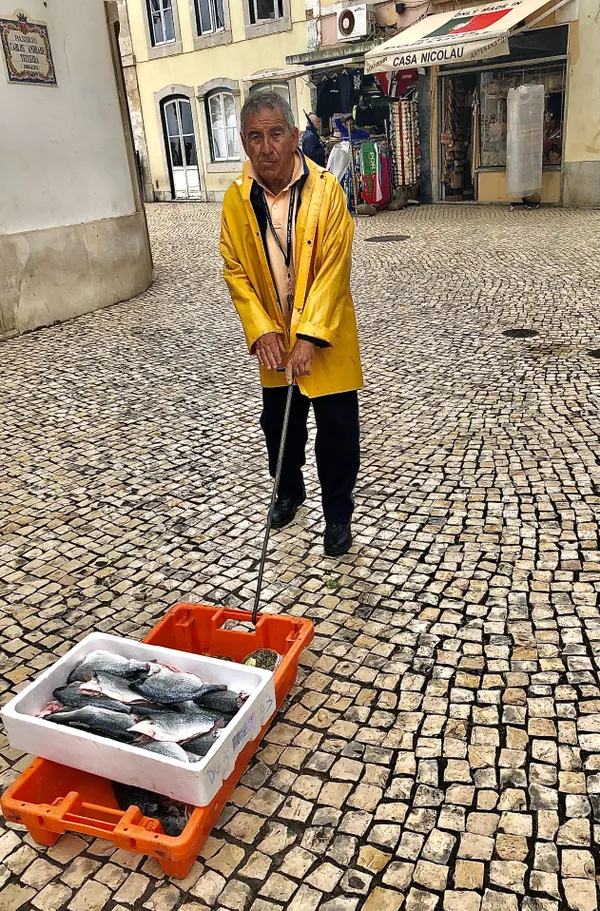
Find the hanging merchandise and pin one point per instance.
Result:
(323, 108)
(339, 160)
(455, 135)
(334, 96)
(404, 130)
(525, 140)
(476, 140)
(368, 163)
(346, 91)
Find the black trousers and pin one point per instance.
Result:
(337, 446)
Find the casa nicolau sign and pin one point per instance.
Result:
(26, 48)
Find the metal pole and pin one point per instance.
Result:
(263, 556)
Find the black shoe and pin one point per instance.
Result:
(338, 538)
(285, 510)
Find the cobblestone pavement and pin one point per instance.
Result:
(441, 749)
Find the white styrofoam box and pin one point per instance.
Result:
(194, 783)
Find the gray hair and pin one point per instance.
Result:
(258, 101)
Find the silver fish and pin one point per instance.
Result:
(174, 727)
(227, 701)
(172, 750)
(101, 661)
(113, 687)
(200, 746)
(72, 696)
(98, 721)
(169, 687)
(221, 719)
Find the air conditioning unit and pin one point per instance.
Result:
(355, 23)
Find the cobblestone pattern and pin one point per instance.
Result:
(441, 749)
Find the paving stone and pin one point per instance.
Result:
(498, 901)
(461, 901)
(544, 882)
(475, 847)
(430, 875)
(468, 874)
(438, 846)
(39, 874)
(52, 897)
(383, 900)
(92, 896)
(305, 899)
(581, 894)
(511, 847)
(419, 900)
(132, 889)
(579, 864)
(15, 896)
(399, 875)
(508, 874)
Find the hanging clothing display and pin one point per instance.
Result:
(323, 109)
(456, 130)
(405, 143)
(368, 177)
(346, 93)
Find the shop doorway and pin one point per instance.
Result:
(459, 138)
(182, 150)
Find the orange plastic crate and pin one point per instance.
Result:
(51, 799)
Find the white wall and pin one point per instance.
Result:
(63, 159)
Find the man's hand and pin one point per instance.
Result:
(300, 360)
(270, 349)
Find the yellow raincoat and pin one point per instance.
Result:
(323, 305)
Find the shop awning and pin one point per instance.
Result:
(292, 72)
(458, 36)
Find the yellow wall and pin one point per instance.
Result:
(492, 187)
(193, 68)
(583, 124)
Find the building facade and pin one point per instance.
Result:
(187, 61)
(73, 234)
(461, 101)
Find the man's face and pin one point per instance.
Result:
(270, 145)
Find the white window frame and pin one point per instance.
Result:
(214, 30)
(278, 8)
(268, 86)
(220, 93)
(164, 5)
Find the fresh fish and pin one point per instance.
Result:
(168, 687)
(172, 750)
(104, 662)
(265, 658)
(174, 727)
(73, 696)
(199, 746)
(152, 710)
(53, 706)
(113, 687)
(172, 815)
(221, 719)
(98, 721)
(227, 701)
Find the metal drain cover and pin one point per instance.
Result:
(520, 333)
(595, 352)
(386, 238)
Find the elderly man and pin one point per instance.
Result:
(286, 240)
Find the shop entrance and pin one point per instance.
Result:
(459, 138)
